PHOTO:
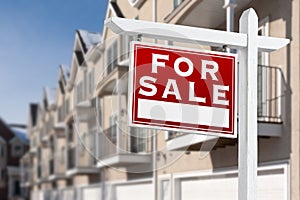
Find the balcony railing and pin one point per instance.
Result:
(121, 139)
(270, 94)
(26, 175)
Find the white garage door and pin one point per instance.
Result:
(68, 194)
(134, 192)
(92, 193)
(271, 186)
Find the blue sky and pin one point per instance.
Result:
(35, 37)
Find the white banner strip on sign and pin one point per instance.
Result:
(183, 113)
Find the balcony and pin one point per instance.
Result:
(26, 173)
(60, 129)
(78, 162)
(271, 93)
(108, 84)
(45, 169)
(121, 145)
(44, 138)
(57, 166)
(33, 150)
(86, 110)
(205, 13)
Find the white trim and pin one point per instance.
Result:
(207, 37)
(213, 116)
(230, 134)
(161, 178)
(131, 182)
(136, 3)
(266, 166)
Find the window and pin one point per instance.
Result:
(263, 75)
(112, 131)
(3, 174)
(66, 105)
(112, 57)
(91, 82)
(99, 112)
(79, 92)
(3, 146)
(125, 46)
(59, 113)
(17, 150)
(177, 3)
(80, 57)
(139, 140)
(85, 85)
(61, 86)
(17, 189)
(92, 143)
(70, 132)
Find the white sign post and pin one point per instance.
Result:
(247, 101)
(248, 43)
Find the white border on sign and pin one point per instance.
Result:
(191, 131)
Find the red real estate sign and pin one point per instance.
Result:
(186, 90)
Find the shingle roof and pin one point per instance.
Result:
(50, 95)
(21, 134)
(88, 39)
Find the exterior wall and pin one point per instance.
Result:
(285, 149)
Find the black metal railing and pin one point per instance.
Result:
(270, 93)
(271, 87)
(121, 139)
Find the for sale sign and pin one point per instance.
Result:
(179, 89)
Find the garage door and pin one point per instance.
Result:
(92, 193)
(68, 194)
(134, 192)
(271, 186)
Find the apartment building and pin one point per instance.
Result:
(13, 145)
(82, 147)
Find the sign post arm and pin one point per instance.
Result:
(189, 34)
(247, 136)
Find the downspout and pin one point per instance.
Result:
(154, 141)
(229, 5)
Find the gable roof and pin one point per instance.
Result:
(65, 70)
(21, 134)
(116, 9)
(88, 39)
(5, 132)
(50, 96)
